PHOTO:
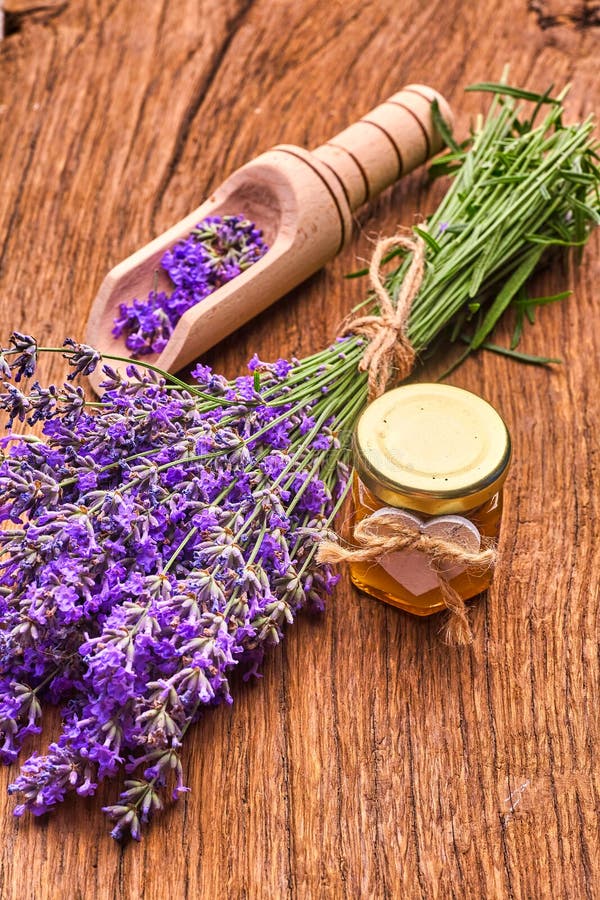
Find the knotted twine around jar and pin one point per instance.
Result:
(383, 535)
(388, 352)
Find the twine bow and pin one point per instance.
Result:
(378, 536)
(389, 350)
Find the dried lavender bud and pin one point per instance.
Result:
(217, 250)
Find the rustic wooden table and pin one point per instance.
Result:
(370, 761)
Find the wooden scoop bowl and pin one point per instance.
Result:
(303, 203)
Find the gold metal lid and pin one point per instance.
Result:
(433, 448)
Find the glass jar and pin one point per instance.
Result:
(435, 457)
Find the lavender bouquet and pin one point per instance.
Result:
(159, 539)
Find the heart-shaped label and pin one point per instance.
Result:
(412, 568)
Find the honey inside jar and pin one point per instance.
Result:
(439, 455)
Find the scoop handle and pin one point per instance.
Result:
(388, 142)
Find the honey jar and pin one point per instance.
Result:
(434, 458)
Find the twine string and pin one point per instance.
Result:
(389, 351)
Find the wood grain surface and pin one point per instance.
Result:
(370, 761)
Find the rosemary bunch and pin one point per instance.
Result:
(518, 189)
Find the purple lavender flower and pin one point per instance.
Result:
(25, 363)
(82, 357)
(217, 251)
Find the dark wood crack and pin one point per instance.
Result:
(14, 20)
(579, 15)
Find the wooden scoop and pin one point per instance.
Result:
(303, 203)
